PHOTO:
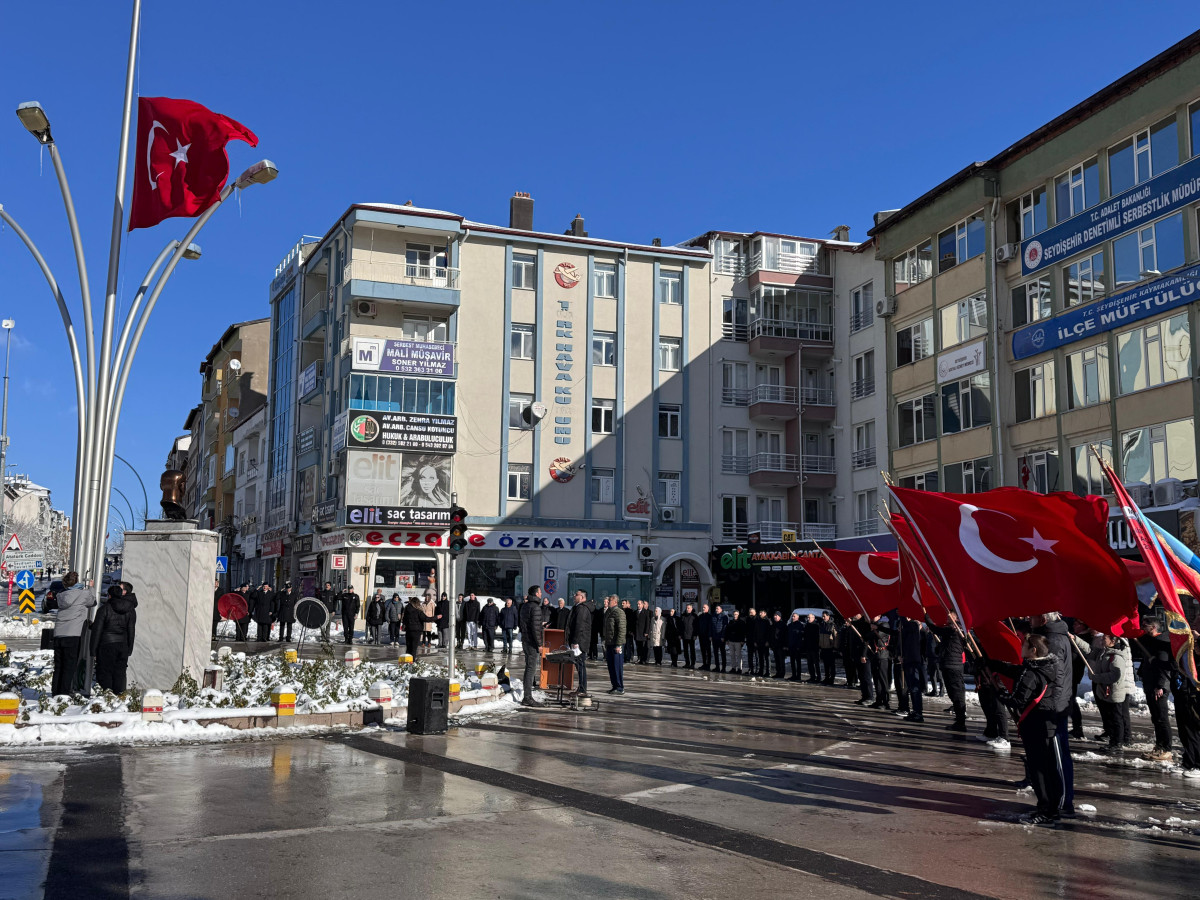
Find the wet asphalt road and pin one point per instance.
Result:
(684, 787)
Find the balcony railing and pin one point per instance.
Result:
(734, 531)
(735, 396)
(864, 387)
(814, 396)
(774, 462)
(800, 331)
(861, 320)
(315, 303)
(819, 465)
(818, 531)
(773, 393)
(773, 531)
(793, 263)
(423, 275)
(864, 527)
(730, 265)
(863, 459)
(735, 465)
(733, 331)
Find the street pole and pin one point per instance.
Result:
(450, 598)
(132, 514)
(8, 326)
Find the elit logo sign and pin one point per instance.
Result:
(566, 274)
(1033, 254)
(364, 429)
(736, 559)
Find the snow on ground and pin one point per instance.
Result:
(325, 684)
(20, 628)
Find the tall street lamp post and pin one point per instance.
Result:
(9, 324)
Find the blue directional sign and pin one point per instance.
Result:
(222, 565)
(24, 580)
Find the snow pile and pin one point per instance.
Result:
(19, 628)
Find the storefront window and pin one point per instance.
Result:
(632, 587)
(498, 576)
(408, 577)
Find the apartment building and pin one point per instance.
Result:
(250, 451)
(1041, 304)
(556, 383)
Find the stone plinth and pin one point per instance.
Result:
(171, 566)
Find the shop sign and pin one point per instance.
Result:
(387, 516)
(962, 361)
(337, 561)
(424, 433)
(404, 357)
(562, 470)
(308, 564)
(502, 540)
(638, 510)
(1141, 204)
(331, 540)
(307, 441)
(308, 379)
(304, 544)
(338, 439)
(271, 549)
(743, 559)
(324, 512)
(566, 274)
(249, 545)
(1111, 312)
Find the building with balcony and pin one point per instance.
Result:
(250, 452)
(1041, 303)
(555, 382)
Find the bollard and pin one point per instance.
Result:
(405, 658)
(283, 698)
(35, 621)
(290, 655)
(490, 682)
(381, 692)
(214, 677)
(353, 658)
(223, 653)
(480, 668)
(152, 706)
(455, 688)
(9, 705)
(4, 655)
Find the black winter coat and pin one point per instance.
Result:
(762, 631)
(489, 615)
(285, 607)
(1060, 648)
(631, 617)
(559, 616)
(642, 631)
(779, 634)
(329, 598)
(1155, 670)
(413, 618)
(950, 644)
(470, 610)
(532, 623)
(797, 632)
(673, 633)
(579, 626)
(115, 624)
(911, 639)
(687, 622)
(375, 612)
(704, 626)
(812, 636)
(263, 610)
(736, 630)
(350, 604)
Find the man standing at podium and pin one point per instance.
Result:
(533, 624)
(579, 636)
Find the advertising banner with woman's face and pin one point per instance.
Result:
(384, 489)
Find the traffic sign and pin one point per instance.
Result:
(14, 543)
(222, 565)
(27, 602)
(24, 580)
(23, 559)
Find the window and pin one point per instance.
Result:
(962, 242)
(668, 420)
(1031, 301)
(770, 511)
(1139, 158)
(1087, 377)
(1083, 281)
(230, 458)
(735, 451)
(864, 446)
(864, 375)
(1038, 471)
(393, 393)
(971, 476)
(1194, 119)
(914, 266)
(923, 481)
(1154, 354)
(517, 404)
(1076, 190)
(670, 354)
(521, 340)
(667, 489)
(964, 320)
(604, 348)
(423, 263)
(1086, 475)
(966, 403)
(735, 384)
(866, 504)
(602, 416)
(735, 318)
(733, 518)
(862, 307)
(1147, 251)
(524, 271)
(604, 279)
(1160, 451)
(424, 328)
(1033, 213)
(914, 342)
(520, 478)
(602, 482)
(1035, 391)
(670, 287)
(916, 420)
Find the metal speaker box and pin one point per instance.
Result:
(428, 705)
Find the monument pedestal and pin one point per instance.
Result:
(171, 566)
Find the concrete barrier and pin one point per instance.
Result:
(290, 655)
(152, 706)
(405, 658)
(283, 698)
(353, 658)
(9, 705)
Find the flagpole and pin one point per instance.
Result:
(842, 578)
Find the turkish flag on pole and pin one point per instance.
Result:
(830, 585)
(916, 578)
(875, 580)
(181, 164)
(1010, 552)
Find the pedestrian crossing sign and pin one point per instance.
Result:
(27, 602)
(222, 565)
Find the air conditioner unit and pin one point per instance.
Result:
(669, 513)
(1140, 492)
(647, 551)
(1007, 252)
(366, 308)
(885, 307)
(1168, 491)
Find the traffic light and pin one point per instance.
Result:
(458, 530)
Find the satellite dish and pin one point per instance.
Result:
(235, 365)
(534, 413)
(233, 412)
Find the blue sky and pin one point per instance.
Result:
(650, 119)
